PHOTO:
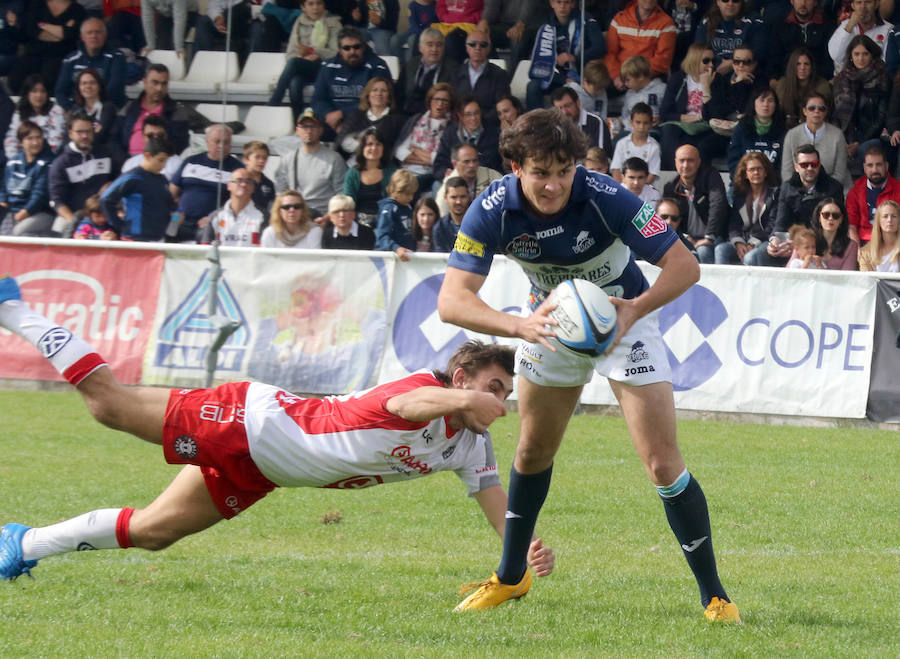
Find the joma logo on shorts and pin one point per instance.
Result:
(637, 370)
(221, 413)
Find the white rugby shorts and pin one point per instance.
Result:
(639, 359)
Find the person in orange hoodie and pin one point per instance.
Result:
(642, 28)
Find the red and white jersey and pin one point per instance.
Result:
(352, 441)
(241, 230)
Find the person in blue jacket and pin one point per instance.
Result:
(341, 79)
(393, 230)
(93, 53)
(25, 195)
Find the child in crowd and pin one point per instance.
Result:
(642, 88)
(638, 144)
(804, 254)
(422, 13)
(144, 192)
(393, 231)
(634, 178)
(425, 215)
(255, 156)
(592, 88)
(94, 225)
(596, 160)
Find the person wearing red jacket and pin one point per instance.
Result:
(642, 28)
(868, 191)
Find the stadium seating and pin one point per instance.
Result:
(171, 61)
(499, 62)
(258, 78)
(218, 112)
(263, 123)
(209, 69)
(272, 166)
(393, 64)
(520, 80)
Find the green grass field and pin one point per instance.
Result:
(806, 524)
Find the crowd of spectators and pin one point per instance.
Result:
(797, 100)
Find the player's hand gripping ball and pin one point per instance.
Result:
(586, 317)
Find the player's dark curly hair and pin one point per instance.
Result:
(472, 356)
(542, 135)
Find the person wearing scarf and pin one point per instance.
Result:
(861, 93)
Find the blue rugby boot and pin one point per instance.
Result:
(9, 289)
(12, 565)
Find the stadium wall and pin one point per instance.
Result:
(758, 341)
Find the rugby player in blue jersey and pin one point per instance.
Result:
(560, 221)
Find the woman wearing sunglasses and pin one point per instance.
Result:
(290, 224)
(833, 243)
(681, 111)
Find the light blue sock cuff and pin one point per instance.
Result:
(676, 488)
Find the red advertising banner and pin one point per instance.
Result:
(106, 296)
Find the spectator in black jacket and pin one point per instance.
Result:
(342, 230)
(154, 99)
(92, 53)
(423, 70)
(82, 169)
(468, 128)
(341, 79)
(482, 79)
(701, 202)
(49, 35)
(10, 14)
(566, 100)
(801, 193)
(806, 26)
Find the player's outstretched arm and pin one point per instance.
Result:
(680, 271)
(493, 503)
(475, 410)
(458, 303)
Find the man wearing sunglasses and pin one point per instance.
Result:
(797, 197)
(341, 79)
(868, 192)
(480, 78)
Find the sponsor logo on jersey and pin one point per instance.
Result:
(218, 413)
(547, 233)
(524, 246)
(639, 370)
(600, 186)
(485, 470)
(53, 340)
(583, 242)
(637, 354)
(466, 245)
(407, 458)
(648, 222)
(494, 199)
(185, 447)
(447, 452)
(356, 482)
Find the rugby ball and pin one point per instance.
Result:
(586, 317)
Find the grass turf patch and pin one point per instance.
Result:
(805, 525)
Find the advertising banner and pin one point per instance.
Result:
(107, 296)
(312, 322)
(418, 338)
(884, 383)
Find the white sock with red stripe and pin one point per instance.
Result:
(106, 528)
(69, 354)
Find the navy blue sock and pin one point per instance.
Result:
(526, 496)
(689, 519)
